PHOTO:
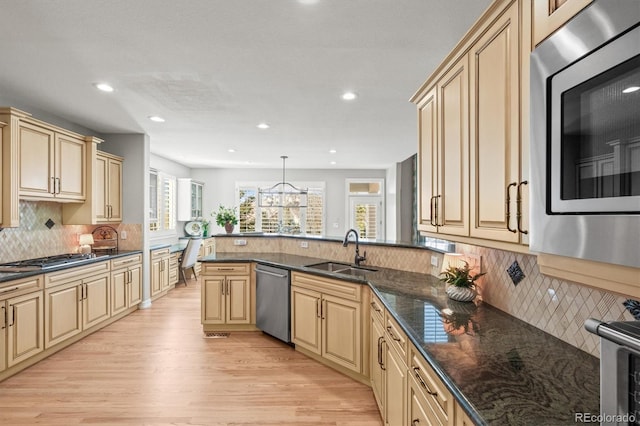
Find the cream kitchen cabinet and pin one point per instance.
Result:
(174, 275)
(207, 248)
(226, 293)
(126, 283)
(326, 319)
(550, 15)
(498, 181)
(76, 299)
(52, 163)
(377, 351)
(108, 187)
(21, 317)
(159, 271)
(444, 153)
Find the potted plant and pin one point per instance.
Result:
(227, 217)
(460, 282)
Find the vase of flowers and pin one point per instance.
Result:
(460, 282)
(226, 217)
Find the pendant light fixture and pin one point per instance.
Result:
(283, 194)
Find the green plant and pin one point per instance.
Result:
(460, 276)
(225, 215)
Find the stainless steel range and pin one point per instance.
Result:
(43, 263)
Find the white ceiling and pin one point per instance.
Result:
(214, 69)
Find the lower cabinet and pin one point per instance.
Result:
(174, 275)
(326, 319)
(226, 293)
(126, 283)
(159, 271)
(75, 299)
(22, 319)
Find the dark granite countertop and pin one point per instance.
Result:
(501, 370)
(9, 276)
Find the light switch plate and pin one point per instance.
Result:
(304, 244)
(239, 242)
(434, 261)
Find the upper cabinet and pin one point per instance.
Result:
(189, 199)
(52, 164)
(473, 134)
(549, 15)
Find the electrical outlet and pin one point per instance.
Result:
(434, 261)
(239, 242)
(304, 244)
(123, 235)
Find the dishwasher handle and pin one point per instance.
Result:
(262, 271)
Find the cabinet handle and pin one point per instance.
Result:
(437, 223)
(7, 290)
(508, 207)
(414, 422)
(58, 182)
(416, 371)
(224, 284)
(86, 291)
(4, 317)
(431, 211)
(375, 307)
(318, 308)
(380, 360)
(322, 309)
(130, 276)
(225, 269)
(390, 331)
(13, 315)
(519, 207)
(52, 186)
(227, 288)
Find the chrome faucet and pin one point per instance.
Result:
(345, 243)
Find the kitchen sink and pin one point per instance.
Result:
(342, 268)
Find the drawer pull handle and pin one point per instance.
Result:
(393, 335)
(508, 207)
(380, 360)
(415, 422)
(375, 307)
(416, 370)
(7, 290)
(4, 317)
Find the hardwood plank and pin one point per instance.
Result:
(155, 367)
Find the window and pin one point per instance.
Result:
(291, 219)
(365, 200)
(162, 201)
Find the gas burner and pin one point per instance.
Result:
(48, 261)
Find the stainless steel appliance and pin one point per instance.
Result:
(619, 371)
(585, 137)
(272, 301)
(43, 263)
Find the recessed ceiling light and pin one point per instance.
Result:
(231, 150)
(104, 87)
(332, 151)
(263, 126)
(631, 89)
(308, 1)
(349, 96)
(333, 163)
(156, 119)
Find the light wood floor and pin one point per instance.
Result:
(155, 367)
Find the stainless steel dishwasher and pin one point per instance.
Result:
(272, 301)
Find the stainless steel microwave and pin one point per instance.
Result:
(585, 136)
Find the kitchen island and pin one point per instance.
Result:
(500, 370)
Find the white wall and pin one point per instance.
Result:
(220, 184)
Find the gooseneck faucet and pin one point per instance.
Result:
(345, 243)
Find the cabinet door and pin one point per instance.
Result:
(70, 163)
(341, 339)
(395, 389)
(164, 273)
(100, 188)
(135, 286)
(156, 276)
(114, 191)
(37, 159)
(427, 161)
(119, 288)
(95, 308)
(495, 131)
(378, 363)
(453, 150)
(420, 413)
(4, 323)
(238, 303)
(63, 312)
(213, 300)
(306, 328)
(25, 330)
(549, 15)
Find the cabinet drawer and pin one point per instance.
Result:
(21, 286)
(77, 273)
(397, 338)
(123, 262)
(338, 288)
(377, 309)
(209, 268)
(158, 253)
(173, 260)
(434, 391)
